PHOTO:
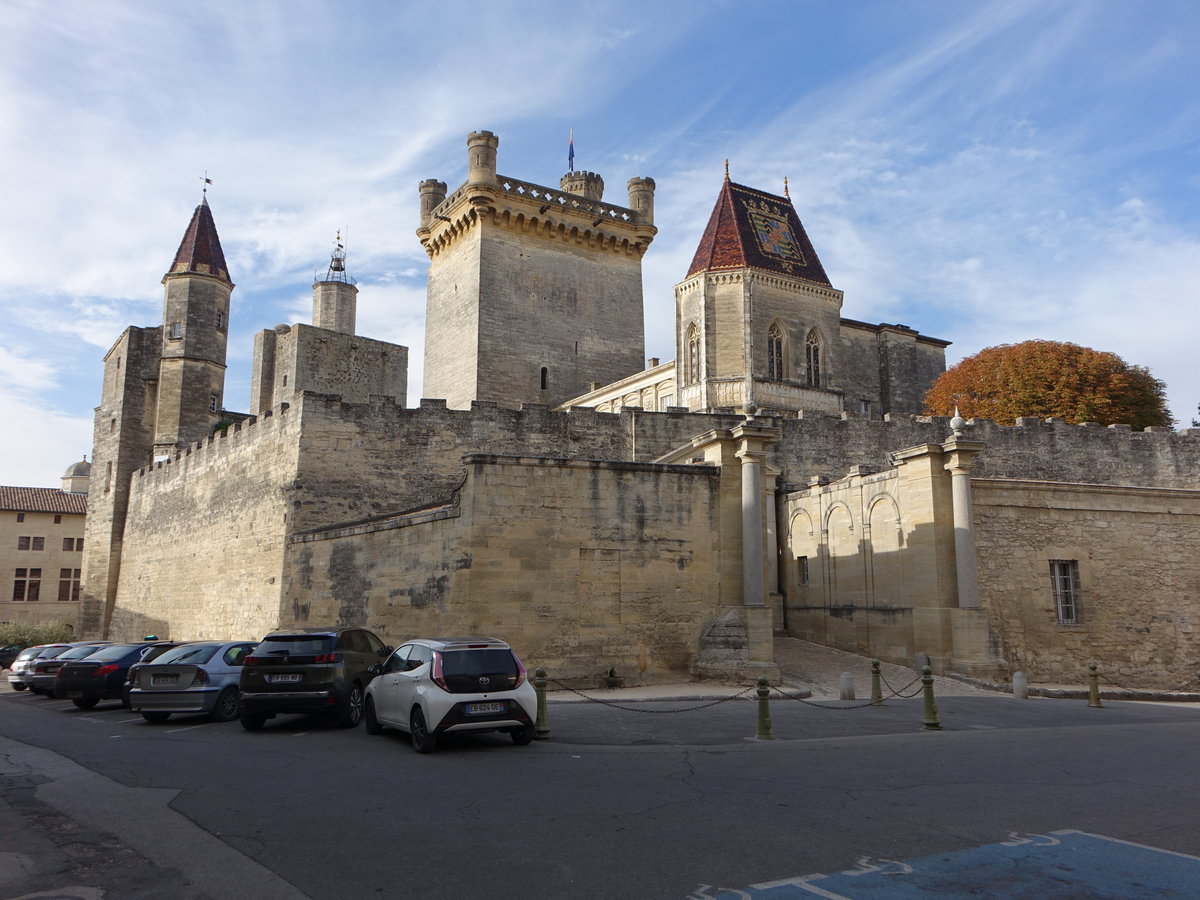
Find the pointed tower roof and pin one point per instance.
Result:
(200, 250)
(756, 229)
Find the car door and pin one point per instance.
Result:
(408, 686)
(383, 688)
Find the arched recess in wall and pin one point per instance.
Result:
(804, 579)
(691, 349)
(776, 352)
(847, 586)
(888, 581)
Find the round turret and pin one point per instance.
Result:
(641, 199)
(433, 193)
(481, 157)
(585, 184)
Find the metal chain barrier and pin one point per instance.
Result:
(900, 693)
(652, 711)
(817, 704)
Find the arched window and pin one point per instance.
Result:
(693, 354)
(812, 358)
(775, 368)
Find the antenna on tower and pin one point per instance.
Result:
(785, 188)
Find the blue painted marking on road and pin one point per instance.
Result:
(1061, 864)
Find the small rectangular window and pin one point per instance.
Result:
(20, 578)
(20, 517)
(58, 520)
(23, 542)
(68, 544)
(212, 403)
(802, 567)
(665, 401)
(220, 321)
(78, 545)
(68, 585)
(39, 543)
(33, 587)
(1064, 581)
(176, 330)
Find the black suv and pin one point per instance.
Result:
(310, 670)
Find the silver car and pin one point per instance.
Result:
(198, 677)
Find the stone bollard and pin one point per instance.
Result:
(1094, 685)
(931, 722)
(846, 687)
(541, 727)
(764, 710)
(876, 687)
(1020, 686)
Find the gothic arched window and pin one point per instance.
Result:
(693, 355)
(775, 367)
(812, 358)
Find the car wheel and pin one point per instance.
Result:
(226, 707)
(86, 703)
(423, 740)
(18, 686)
(253, 721)
(153, 715)
(523, 735)
(351, 711)
(372, 723)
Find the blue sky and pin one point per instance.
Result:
(985, 172)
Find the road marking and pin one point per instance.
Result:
(1025, 865)
(185, 728)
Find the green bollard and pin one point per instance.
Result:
(541, 728)
(876, 687)
(932, 722)
(1094, 685)
(764, 710)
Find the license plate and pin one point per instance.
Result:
(164, 679)
(71, 695)
(483, 709)
(285, 679)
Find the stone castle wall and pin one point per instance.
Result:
(1139, 592)
(583, 566)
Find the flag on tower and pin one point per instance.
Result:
(571, 151)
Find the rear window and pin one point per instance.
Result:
(52, 652)
(29, 653)
(478, 662)
(116, 651)
(192, 654)
(80, 652)
(295, 645)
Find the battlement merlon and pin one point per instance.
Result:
(575, 205)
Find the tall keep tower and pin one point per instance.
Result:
(191, 373)
(534, 292)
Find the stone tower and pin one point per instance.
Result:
(191, 373)
(335, 297)
(162, 390)
(534, 292)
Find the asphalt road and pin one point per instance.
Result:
(617, 804)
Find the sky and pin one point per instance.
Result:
(984, 172)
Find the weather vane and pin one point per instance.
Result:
(207, 181)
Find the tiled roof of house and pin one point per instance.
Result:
(200, 250)
(756, 229)
(45, 500)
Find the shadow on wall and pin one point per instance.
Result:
(132, 626)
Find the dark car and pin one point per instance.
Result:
(310, 670)
(8, 654)
(100, 676)
(41, 673)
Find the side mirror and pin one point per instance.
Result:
(376, 669)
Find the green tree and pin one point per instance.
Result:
(1050, 378)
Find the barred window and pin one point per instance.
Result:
(1064, 581)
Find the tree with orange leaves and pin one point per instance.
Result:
(1050, 378)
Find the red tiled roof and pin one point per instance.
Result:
(757, 229)
(47, 500)
(200, 250)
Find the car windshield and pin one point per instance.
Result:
(294, 645)
(29, 653)
(193, 654)
(51, 652)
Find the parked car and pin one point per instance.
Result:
(198, 677)
(8, 654)
(100, 676)
(20, 665)
(310, 670)
(432, 686)
(40, 675)
(157, 649)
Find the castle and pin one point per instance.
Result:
(665, 519)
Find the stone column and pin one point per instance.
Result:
(960, 456)
(752, 441)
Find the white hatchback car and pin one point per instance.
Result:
(432, 686)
